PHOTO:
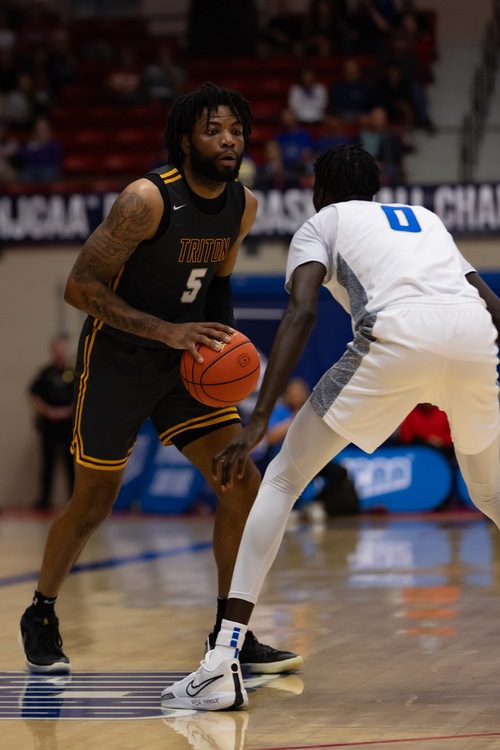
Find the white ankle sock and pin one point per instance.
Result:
(228, 644)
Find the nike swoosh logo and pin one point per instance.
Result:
(198, 688)
(176, 208)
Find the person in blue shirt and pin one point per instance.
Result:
(296, 145)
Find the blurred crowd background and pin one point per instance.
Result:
(84, 94)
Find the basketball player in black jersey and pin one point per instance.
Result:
(154, 279)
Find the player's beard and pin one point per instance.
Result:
(211, 169)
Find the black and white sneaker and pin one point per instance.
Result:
(208, 689)
(42, 644)
(257, 658)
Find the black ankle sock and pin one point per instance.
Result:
(221, 610)
(42, 606)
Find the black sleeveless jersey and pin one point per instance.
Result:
(168, 276)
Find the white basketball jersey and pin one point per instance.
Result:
(379, 255)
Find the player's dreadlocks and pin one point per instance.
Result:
(189, 107)
(346, 171)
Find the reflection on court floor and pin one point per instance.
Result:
(396, 617)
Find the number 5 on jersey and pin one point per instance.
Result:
(193, 284)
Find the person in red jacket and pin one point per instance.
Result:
(426, 424)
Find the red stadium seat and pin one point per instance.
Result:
(125, 163)
(82, 165)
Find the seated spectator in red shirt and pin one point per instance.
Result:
(429, 425)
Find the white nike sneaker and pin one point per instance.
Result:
(208, 689)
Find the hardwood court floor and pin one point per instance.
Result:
(397, 619)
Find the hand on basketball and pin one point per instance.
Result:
(187, 335)
(234, 456)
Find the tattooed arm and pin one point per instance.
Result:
(134, 217)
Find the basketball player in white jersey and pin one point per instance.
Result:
(425, 328)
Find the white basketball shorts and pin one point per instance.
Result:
(444, 354)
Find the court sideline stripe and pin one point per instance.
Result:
(112, 562)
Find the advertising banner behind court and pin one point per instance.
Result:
(68, 218)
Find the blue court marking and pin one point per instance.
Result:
(84, 695)
(112, 562)
(103, 695)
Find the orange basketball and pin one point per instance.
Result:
(225, 377)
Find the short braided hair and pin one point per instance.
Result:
(189, 107)
(346, 171)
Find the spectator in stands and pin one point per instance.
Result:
(368, 24)
(296, 146)
(325, 28)
(164, 79)
(23, 104)
(41, 156)
(62, 65)
(429, 425)
(8, 155)
(271, 172)
(333, 132)
(401, 51)
(352, 95)
(426, 424)
(123, 84)
(283, 32)
(385, 144)
(8, 36)
(308, 98)
(393, 92)
(418, 38)
(248, 171)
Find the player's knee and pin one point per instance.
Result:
(243, 491)
(90, 509)
(285, 479)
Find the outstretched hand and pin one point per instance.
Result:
(234, 456)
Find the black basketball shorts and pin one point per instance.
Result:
(119, 385)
